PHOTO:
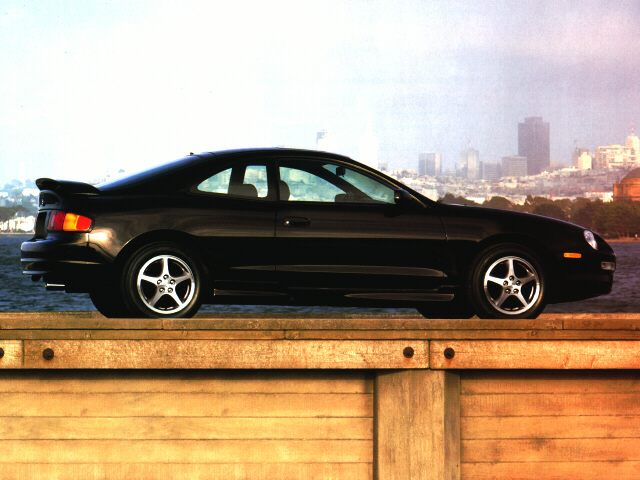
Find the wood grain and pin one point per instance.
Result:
(226, 354)
(616, 426)
(551, 450)
(583, 470)
(417, 425)
(542, 354)
(186, 451)
(521, 404)
(12, 356)
(544, 381)
(185, 428)
(200, 471)
(186, 405)
(178, 381)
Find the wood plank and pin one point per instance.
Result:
(200, 471)
(417, 425)
(551, 450)
(617, 426)
(231, 354)
(518, 405)
(184, 428)
(463, 334)
(551, 470)
(186, 405)
(186, 451)
(542, 354)
(559, 382)
(115, 334)
(197, 381)
(11, 354)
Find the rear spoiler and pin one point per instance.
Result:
(65, 186)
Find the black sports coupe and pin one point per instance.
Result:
(300, 227)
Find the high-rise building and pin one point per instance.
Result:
(515, 166)
(470, 164)
(582, 159)
(491, 171)
(533, 143)
(430, 164)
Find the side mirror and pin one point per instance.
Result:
(402, 197)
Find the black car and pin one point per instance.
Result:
(299, 227)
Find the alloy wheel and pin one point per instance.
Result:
(166, 284)
(512, 285)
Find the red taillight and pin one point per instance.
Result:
(68, 222)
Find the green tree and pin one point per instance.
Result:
(498, 202)
(550, 209)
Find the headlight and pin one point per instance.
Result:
(591, 239)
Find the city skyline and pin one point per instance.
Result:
(89, 88)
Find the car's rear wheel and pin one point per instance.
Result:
(108, 301)
(507, 281)
(162, 280)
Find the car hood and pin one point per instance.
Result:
(510, 215)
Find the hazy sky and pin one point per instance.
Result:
(87, 87)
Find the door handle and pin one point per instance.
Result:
(296, 222)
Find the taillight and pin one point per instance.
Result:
(68, 222)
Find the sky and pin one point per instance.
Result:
(89, 87)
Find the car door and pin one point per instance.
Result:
(338, 228)
(236, 224)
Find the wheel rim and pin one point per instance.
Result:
(166, 284)
(512, 285)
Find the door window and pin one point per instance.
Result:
(305, 186)
(310, 181)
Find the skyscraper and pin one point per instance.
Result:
(470, 162)
(430, 164)
(533, 143)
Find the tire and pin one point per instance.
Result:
(108, 300)
(162, 280)
(507, 281)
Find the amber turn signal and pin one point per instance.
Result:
(572, 255)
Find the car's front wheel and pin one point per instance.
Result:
(162, 280)
(507, 281)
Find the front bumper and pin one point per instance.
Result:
(586, 277)
(64, 259)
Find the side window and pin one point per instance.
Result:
(256, 175)
(249, 181)
(369, 190)
(218, 183)
(298, 185)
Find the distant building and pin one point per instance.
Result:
(611, 156)
(633, 142)
(491, 171)
(323, 141)
(514, 166)
(430, 164)
(471, 168)
(629, 187)
(582, 159)
(533, 143)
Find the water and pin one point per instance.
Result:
(19, 293)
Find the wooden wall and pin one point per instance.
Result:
(196, 425)
(550, 425)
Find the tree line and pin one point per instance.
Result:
(611, 219)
